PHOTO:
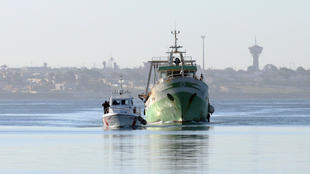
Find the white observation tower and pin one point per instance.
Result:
(255, 50)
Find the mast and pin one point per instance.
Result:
(176, 46)
(121, 91)
(175, 50)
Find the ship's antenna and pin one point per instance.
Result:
(121, 79)
(121, 84)
(175, 24)
(175, 33)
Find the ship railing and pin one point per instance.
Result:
(121, 109)
(186, 58)
(161, 61)
(180, 75)
(127, 110)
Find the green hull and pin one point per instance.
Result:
(184, 105)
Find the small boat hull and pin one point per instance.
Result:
(114, 121)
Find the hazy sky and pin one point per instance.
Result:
(86, 32)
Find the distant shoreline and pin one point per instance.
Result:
(49, 96)
(45, 83)
(70, 96)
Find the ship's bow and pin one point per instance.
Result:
(178, 100)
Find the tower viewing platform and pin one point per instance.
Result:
(255, 50)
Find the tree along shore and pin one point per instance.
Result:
(94, 83)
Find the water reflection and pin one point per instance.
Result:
(160, 149)
(180, 149)
(174, 127)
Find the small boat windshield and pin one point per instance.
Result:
(121, 102)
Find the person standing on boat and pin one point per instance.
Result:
(106, 106)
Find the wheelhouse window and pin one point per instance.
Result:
(125, 102)
(121, 102)
(116, 102)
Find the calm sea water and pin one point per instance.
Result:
(248, 136)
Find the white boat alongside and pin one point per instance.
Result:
(120, 112)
